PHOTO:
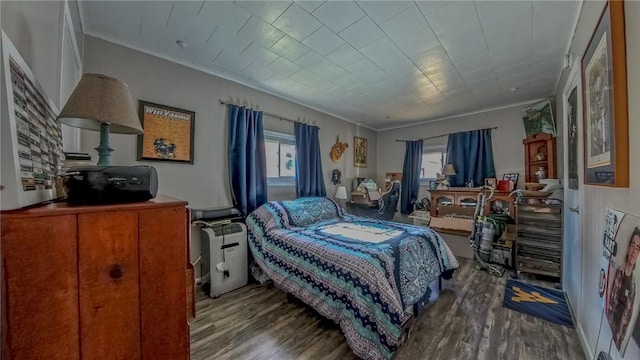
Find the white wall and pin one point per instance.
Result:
(205, 183)
(597, 199)
(35, 28)
(508, 151)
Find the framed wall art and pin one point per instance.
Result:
(606, 142)
(31, 138)
(168, 133)
(539, 118)
(359, 152)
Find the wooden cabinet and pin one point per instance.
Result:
(96, 282)
(466, 199)
(539, 157)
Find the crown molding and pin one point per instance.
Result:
(521, 103)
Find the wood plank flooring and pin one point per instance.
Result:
(467, 322)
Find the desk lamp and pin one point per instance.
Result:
(102, 103)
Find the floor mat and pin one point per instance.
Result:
(543, 303)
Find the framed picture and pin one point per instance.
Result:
(606, 142)
(539, 118)
(31, 138)
(513, 177)
(490, 182)
(359, 152)
(168, 133)
(572, 135)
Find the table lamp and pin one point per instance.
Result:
(447, 171)
(102, 103)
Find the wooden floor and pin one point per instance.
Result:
(467, 322)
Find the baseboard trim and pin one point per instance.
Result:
(583, 341)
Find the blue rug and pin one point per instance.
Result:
(543, 303)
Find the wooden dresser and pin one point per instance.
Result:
(466, 198)
(96, 282)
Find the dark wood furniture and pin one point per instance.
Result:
(539, 241)
(90, 282)
(466, 199)
(539, 153)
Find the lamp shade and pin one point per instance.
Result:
(341, 192)
(448, 170)
(99, 99)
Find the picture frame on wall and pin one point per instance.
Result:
(168, 133)
(604, 87)
(359, 152)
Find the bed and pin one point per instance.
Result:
(369, 276)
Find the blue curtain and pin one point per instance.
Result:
(309, 176)
(410, 175)
(247, 160)
(471, 154)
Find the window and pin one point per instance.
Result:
(433, 160)
(280, 151)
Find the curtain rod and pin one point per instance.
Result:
(225, 103)
(437, 136)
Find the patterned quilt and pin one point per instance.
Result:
(359, 272)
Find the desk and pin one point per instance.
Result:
(467, 197)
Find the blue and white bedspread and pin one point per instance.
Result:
(361, 273)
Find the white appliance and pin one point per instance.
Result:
(224, 258)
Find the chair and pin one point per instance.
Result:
(385, 208)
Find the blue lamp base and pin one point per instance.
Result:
(104, 149)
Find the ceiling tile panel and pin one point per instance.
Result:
(289, 48)
(407, 23)
(257, 72)
(259, 55)
(313, 61)
(309, 5)
(297, 22)
(259, 32)
(338, 15)
(367, 71)
(232, 62)
(345, 55)
(332, 73)
(478, 61)
(428, 6)
(209, 65)
(463, 42)
(268, 11)
(311, 80)
(452, 16)
(226, 16)
(431, 56)
(323, 41)
(277, 81)
(478, 75)
(365, 61)
(362, 33)
(284, 67)
(380, 11)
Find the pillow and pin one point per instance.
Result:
(310, 210)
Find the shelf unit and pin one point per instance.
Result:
(539, 152)
(539, 243)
